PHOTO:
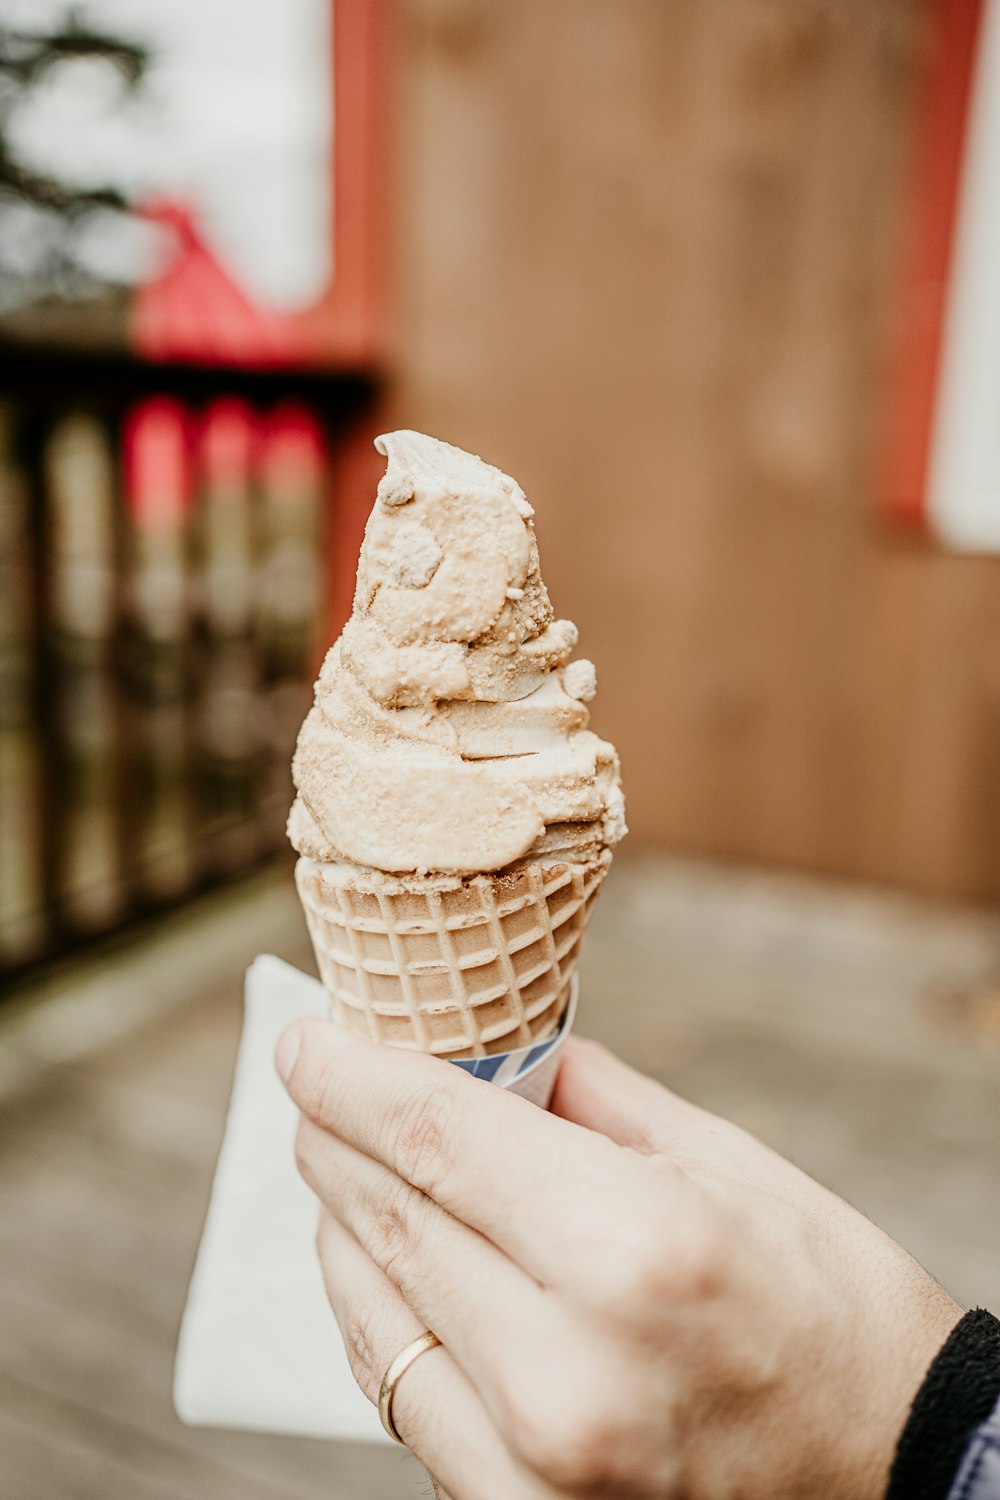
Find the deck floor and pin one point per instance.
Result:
(856, 1031)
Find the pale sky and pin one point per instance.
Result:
(234, 113)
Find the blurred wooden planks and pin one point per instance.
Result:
(644, 263)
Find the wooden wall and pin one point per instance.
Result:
(643, 252)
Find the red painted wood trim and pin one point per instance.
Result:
(940, 138)
(356, 469)
(349, 326)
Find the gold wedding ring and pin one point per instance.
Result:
(404, 1359)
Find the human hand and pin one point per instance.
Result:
(635, 1298)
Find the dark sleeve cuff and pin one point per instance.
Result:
(959, 1391)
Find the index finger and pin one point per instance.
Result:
(535, 1185)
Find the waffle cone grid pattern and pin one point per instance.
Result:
(480, 967)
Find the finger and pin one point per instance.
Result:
(533, 1184)
(486, 1311)
(434, 1407)
(597, 1090)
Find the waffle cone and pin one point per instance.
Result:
(457, 967)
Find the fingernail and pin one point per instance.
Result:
(287, 1052)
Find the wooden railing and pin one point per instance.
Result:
(165, 538)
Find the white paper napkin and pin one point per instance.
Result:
(259, 1347)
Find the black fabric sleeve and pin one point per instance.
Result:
(960, 1391)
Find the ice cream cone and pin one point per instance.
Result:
(454, 813)
(460, 967)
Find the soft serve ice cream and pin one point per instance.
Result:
(449, 730)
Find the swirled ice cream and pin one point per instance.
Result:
(449, 729)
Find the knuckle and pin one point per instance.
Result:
(695, 1265)
(424, 1132)
(392, 1231)
(625, 1279)
(362, 1350)
(322, 1240)
(571, 1435)
(322, 1092)
(656, 1262)
(314, 1077)
(304, 1138)
(645, 1273)
(388, 1243)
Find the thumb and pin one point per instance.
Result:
(597, 1090)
